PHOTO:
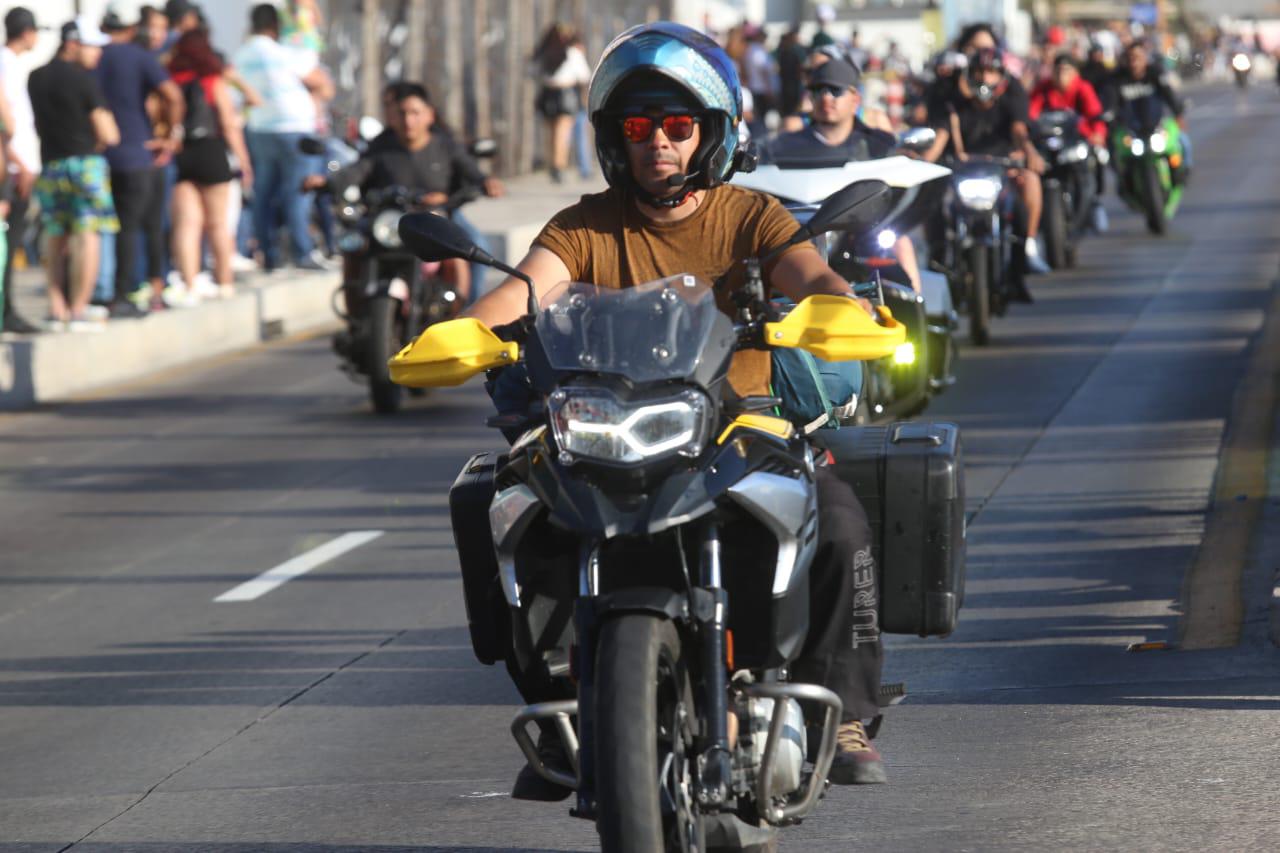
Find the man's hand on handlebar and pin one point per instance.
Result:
(435, 199)
(314, 182)
(494, 188)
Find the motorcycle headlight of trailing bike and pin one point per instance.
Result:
(1159, 142)
(385, 228)
(978, 193)
(885, 239)
(1077, 153)
(1241, 63)
(592, 423)
(1136, 147)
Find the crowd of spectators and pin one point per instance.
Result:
(129, 157)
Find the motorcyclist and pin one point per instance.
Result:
(1068, 90)
(988, 115)
(666, 107)
(1139, 92)
(835, 133)
(432, 164)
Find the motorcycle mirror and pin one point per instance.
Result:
(368, 127)
(858, 207)
(437, 238)
(311, 146)
(918, 139)
(483, 148)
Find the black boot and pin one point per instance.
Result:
(530, 786)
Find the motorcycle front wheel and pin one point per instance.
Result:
(644, 733)
(1153, 193)
(384, 342)
(1054, 226)
(979, 297)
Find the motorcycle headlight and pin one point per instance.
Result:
(885, 239)
(1240, 62)
(1159, 141)
(1136, 147)
(595, 424)
(1077, 153)
(905, 354)
(385, 228)
(978, 193)
(1054, 143)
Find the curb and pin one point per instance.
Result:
(55, 367)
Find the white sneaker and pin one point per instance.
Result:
(176, 296)
(239, 263)
(204, 287)
(1035, 264)
(85, 325)
(226, 291)
(99, 313)
(1100, 223)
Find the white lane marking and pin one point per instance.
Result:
(299, 565)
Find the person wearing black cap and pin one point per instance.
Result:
(23, 154)
(836, 136)
(128, 74)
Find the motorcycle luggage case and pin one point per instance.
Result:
(910, 480)
(488, 617)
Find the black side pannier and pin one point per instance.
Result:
(488, 616)
(910, 480)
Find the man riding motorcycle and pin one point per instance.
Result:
(431, 163)
(665, 103)
(836, 133)
(1139, 92)
(988, 115)
(1068, 90)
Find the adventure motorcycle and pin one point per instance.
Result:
(902, 384)
(1069, 185)
(681, 526)
(387, 296)
(1149, 164)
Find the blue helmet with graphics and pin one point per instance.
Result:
(666, 64)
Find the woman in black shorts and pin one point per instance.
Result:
(200, 197)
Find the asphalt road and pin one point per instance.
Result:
(343, 711)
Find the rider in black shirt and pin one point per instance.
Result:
(837, 136)
(418, 156)
(988, 116)
(1138, 94)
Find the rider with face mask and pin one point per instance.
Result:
(666, 105)
(987, 115)
(836, 135)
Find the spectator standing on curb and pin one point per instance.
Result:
(286, 79)
(128, 74)
(24, 148)
(213, 131)
(74, 189)
(564, 72)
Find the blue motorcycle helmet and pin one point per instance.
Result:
(667, 64)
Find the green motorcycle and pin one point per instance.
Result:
(1150, 173)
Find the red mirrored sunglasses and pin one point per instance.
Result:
(676, 128)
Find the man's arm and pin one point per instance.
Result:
(802, 273)
(105, 130)
(319, 83)
(173, 109)
(509, 301)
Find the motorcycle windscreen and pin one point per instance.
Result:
(654, 332)
(450, 353)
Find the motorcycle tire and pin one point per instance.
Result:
(979, 299)
(384, 342)
(645, 717)
(1054, 226)
(1153, 194)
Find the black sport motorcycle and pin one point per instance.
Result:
(387, 296)
(981, 248)
(1069, 184)
(649, 542)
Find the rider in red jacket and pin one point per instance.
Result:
(1067, 90)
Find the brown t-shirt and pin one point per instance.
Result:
(605, 240)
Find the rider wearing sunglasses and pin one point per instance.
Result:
(666, 104)
(835, 136)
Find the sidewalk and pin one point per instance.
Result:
(57, 366)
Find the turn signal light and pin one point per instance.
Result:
(1175, 160)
